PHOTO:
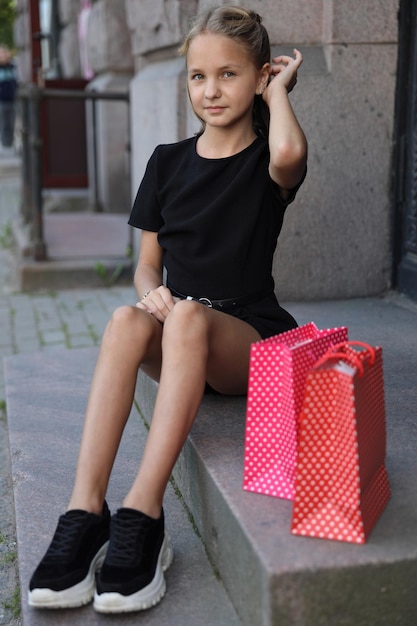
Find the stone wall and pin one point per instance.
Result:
(69, 47)
(336, 240)
(110, 58)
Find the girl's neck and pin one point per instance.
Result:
(216, 143)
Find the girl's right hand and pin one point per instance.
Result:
(158, 302)
(284, 71)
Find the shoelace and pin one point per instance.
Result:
(126, 540)
(69, 526)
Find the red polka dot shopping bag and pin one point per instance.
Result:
(341, 483)
(278, 369)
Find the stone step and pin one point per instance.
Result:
(84, 249)
(273, 577)
(10, 163)
(46, 394)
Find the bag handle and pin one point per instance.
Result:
(350, 358)
(335, 352)
(371, 353)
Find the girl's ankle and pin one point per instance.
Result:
(151, 509)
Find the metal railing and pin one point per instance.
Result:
(31, 97)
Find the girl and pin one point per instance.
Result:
(210, 209)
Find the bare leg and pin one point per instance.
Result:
(198, 344)
(132, 337)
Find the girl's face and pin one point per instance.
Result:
(222, 81)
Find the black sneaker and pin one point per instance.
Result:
(65, 577)
(132, 576)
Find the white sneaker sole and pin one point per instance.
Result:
(113, 602)
(78, 595)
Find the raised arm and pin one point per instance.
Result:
(287, 142)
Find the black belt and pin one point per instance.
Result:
(221, 305)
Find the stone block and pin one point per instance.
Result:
(158, 24)
(108, 40)
(22, 5)
(20, 29)
(23, 65)
(112, 141)
(68, 10)
(158, 111)
(291, 21)
(69, 52)
(365, 21)
(336, 236)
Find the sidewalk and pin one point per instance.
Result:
(45, 320)
(8, 567)
(72, 319)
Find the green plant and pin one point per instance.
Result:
(93, 334)
(111, 279)
(13, 605)
(2, 415)
(9, 558)
(6, 236)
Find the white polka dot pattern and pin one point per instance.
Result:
(341, 483)
(278, 370)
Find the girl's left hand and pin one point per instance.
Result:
(284, 71)
(158, 302)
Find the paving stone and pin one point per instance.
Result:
(53, 336)
(81, 341)
(24, 345)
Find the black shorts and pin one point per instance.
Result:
(266, 316)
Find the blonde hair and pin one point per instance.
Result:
(245, 27)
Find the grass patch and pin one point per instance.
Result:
(3, 410)
(110, 278)
(8, 561)
(93, 334)
(13, 604)
(6, 236)
(9, 558)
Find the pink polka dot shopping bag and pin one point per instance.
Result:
(341, 483)
(278, 369)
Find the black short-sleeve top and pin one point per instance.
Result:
(217, 220)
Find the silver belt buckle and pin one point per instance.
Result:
(206, 302)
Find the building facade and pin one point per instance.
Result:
(344, 235)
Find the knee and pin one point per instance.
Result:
(122, 318)
(128, 321)
(187, 320)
